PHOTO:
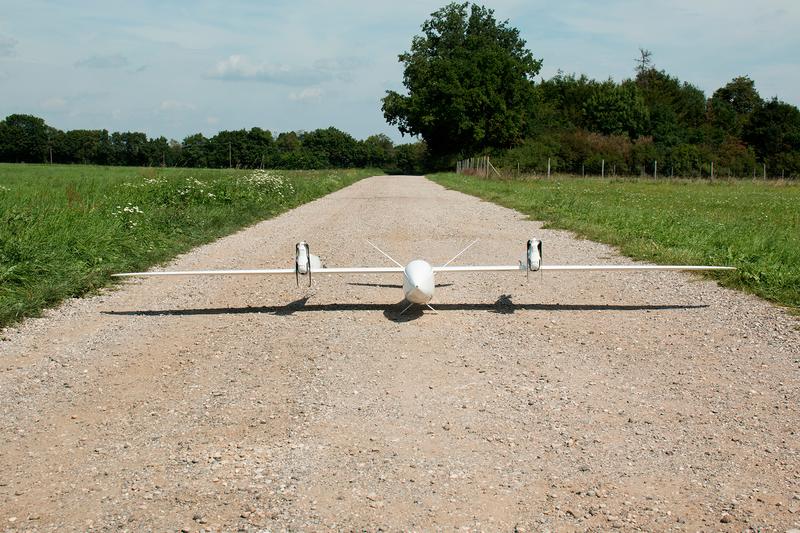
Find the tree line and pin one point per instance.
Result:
(26, 138)
(471, 90)
(656, 124)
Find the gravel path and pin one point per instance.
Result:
(569, 401)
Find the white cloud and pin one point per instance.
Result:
(241, 68)
(53, 103)
(176, 105)
(7, 46)
(309, 94)
(102, 62)
(212, 120)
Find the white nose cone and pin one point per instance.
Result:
(418, 282)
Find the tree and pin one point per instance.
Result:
(334, 148)
(774, 133)
(23, 139)
(411, 158)
(129, 148)
(741, 94)
(84, 146)
(563, 98)
(644, 62)
(469, 82)
(731, 107)
(616, 109)
(260, 148)
(379, 150)
(668, 99)
(195, 151)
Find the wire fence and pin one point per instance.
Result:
(477, 166)
(483, 167)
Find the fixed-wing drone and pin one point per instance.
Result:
(418, 275)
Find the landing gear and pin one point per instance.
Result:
(406, 308)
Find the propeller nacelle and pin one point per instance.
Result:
(305, 262)
(533, 257)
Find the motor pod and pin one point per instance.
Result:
(534, 255)
(302, 261)
(305, 262)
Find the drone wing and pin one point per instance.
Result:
(257, 272)
(506, 268)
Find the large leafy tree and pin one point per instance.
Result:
(469, 80)
(23, 138)
(731, 107)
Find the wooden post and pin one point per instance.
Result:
(548, 167)
(517, 168)
(655, 169)
(603, 168)
(712, 170)
(583, 170)
(765, 170)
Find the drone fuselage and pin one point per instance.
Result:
(418, 282)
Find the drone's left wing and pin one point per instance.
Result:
(506, 268)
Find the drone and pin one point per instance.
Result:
(418, 275)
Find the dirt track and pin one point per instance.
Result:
(570, 401)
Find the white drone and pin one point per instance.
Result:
(418, 275)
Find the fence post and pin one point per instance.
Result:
(583, 170)
(765, 170)
(655, 169)
(712, 170)
(603, 168)
(548, 167)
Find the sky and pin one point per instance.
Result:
(174, 68)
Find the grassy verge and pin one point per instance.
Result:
(65, 229)
(754, 226)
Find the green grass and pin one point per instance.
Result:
(754, 226)
(65, 229)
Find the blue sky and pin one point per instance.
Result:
(174, 67)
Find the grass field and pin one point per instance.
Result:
(65, 229)
(754, 226)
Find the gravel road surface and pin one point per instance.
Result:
(569, 401)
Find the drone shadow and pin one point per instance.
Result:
(392, 285)
(503, 305)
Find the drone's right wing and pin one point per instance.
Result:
(263, 271)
